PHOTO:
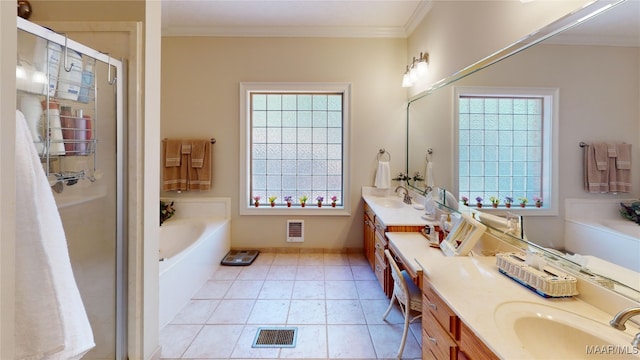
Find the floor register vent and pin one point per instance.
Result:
(275, 337)
(295, 230)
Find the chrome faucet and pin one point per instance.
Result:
(407, 198)
(618, 322)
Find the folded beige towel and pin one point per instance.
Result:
(172, 153)
(174, 178)
(200, 177)
(623, 160)
(595, 181)
(197, 152)
(186, 148)
(611, 150)
(620, 178)
(601, 155)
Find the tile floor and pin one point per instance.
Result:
(333, 299)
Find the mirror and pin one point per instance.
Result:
(594, 57)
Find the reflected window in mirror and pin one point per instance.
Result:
(504, 144)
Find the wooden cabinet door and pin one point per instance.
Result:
(369, 240)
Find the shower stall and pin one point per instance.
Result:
(72, 98)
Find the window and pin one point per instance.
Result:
(294, 145)
(505, 139)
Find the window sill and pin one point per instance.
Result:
(295, 210)
(526, 211)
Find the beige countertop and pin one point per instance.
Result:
(406, 215)
(474, 288)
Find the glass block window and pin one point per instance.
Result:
(296, 144)
(501, 147)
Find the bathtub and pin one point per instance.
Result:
(191, 244)
(595, 227)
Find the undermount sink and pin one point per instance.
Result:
(389, 203)
(548, 332)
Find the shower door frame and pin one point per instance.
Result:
(121, 250)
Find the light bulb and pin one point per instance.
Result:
(406, 80)
(413, 74)
(421, 68)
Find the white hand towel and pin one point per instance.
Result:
(383, 175)
(429, 176)
(50, 319)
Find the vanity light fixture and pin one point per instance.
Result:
(416, 70)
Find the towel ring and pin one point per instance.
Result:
(381, 153)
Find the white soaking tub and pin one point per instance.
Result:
(595, 227)
(192, 243)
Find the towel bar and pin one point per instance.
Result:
(213, 140)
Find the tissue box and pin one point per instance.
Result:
(547, 282)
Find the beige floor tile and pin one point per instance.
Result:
(196, 312)
(213, 289)
(231, 312)
(374, 309)
(282, 272)
(338, 272)
(336, 259)
(243, 349)
(362, 272)
(311, 343)
(345, 312)
(308, 289)
(357, 259)
(214, 341)
(269, 312)
(370, 289)
(311, 259)
(244, 289)
(340, 289)
(278, 289)
(386, 341)
(286, 259)
(349, 342)
(253, 272)
(310, 272)
(307, 312)
(264, 259)
(226, 273)
(175, 339)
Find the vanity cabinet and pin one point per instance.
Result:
(369, 235)
(375, 242)
(444, 334)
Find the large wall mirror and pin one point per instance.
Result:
(593, 58)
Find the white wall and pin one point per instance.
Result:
(457, 34)
(200, 97)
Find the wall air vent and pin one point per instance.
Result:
(295, 230)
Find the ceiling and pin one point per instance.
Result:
(308, 18)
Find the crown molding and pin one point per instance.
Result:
(288, 31)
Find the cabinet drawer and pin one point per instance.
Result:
(436, 306)
(380, 244)
(368, 211)
(380, 269)
(380, 226)
(436, 340)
